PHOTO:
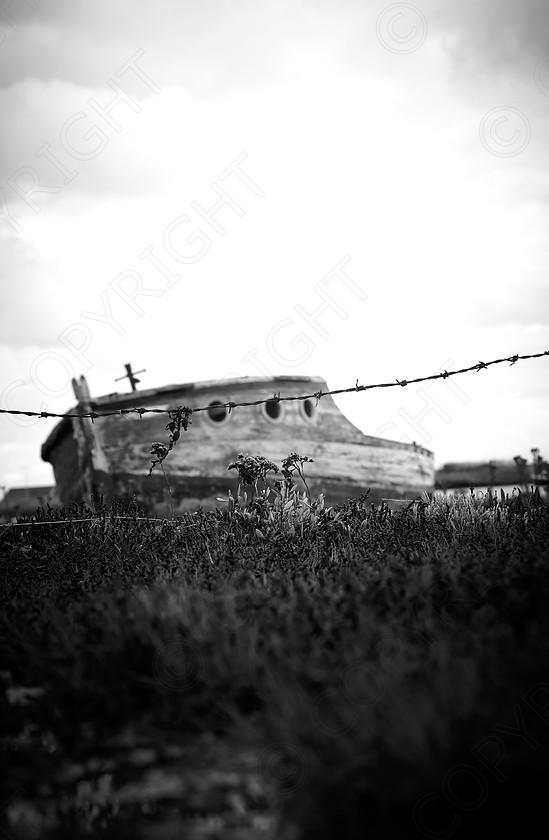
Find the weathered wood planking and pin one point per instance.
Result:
(113, 454)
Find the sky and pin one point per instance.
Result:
(350, 189)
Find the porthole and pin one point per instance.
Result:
(273, 410)
(217, 412)
(308, 409)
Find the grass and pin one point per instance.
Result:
(275, 668)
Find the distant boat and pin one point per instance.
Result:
(504, 475)
(112, 455)
(21, 501)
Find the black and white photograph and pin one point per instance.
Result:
(274, 419)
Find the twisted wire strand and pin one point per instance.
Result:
(317, 395)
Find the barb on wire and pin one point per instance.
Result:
(184, 413)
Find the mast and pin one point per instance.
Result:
(92, 461)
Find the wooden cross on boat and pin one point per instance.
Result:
(131, 376)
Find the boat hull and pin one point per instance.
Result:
(112, 455)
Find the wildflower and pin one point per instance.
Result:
(252, 467)
(160, 450)
(294, 462)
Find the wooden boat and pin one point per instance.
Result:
(112, 455)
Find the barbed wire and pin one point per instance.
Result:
(317, 395)
(95, 520)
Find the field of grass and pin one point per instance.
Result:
(275, 669)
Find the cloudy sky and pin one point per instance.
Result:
(351, 189)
